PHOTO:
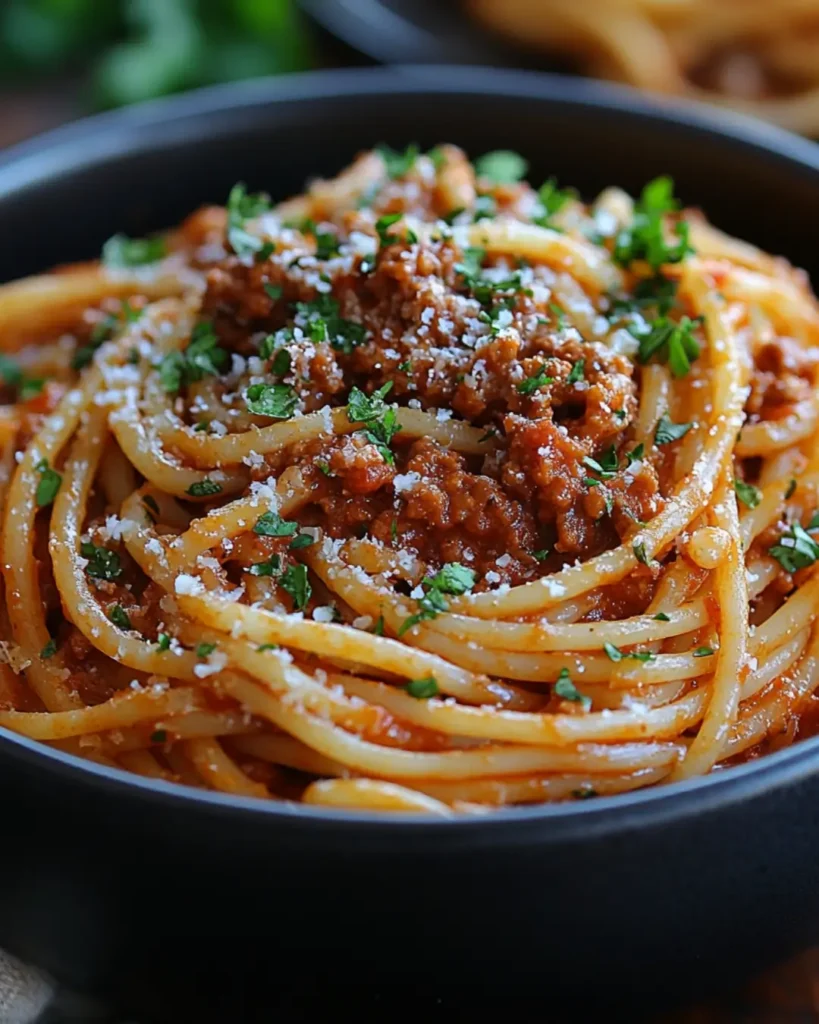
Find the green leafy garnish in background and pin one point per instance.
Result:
(139, 49)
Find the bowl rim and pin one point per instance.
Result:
(140, 128)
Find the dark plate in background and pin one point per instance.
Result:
(418, 32)
(185, 905)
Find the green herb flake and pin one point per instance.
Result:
(204, 488)
(278, 401)
(672, 342)
(242, 207)
(267, 647)
(502, 166)
(102, 563)
(48, 484)
(423, 689)
(163, 642)
(273, 291)
(796, 549)
(272, 567)
(159, 736)
(703, 652)
(271, 524)
(640, 554)
(667, 432)
(304, 540)
(452, 578)
(204, 650)
(566, 690)
(294, 581)
(538, 380)
(552, 200)
(49, 650)
(398, 163)
(644, 238)
(119, 617)
(10, 372)
(662, 617)
(747, 493)
(791, 488)
(378, 626)
(577, 372)
(121, 252)
(614, 653)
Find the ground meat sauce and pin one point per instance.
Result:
(531, 503)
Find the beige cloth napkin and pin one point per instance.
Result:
(24, 992)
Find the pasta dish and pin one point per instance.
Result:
(759, 56)
(426, 490)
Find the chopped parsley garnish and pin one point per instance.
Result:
(452, 578)
(673, 343)
(49, 650)
(119, 617)
(552, 200)
(502, 166)
(380, 420)
(266, 251)
(267, 647)
(644, 238)
(10, 371)
(278, 401)
(482, 289)
(387, 237)
(271, 524)
(791, 488)
(658, 292)
(577, 372)
(102, 563)
(204, 650)
(636, 453)
(272, 567)
(203, 357)
(324, 324)
(120, 252)
(541, 555)
(163, 641)
(747, 493)
(615, 654)
(560, 315)
(566, 690)
(396, 162)
(281, 363)
(378, 626)
(243, 206)
(667, 431)
(273, 291)
(796, 549)
(606, 467)
(662, 617)
(295, 582)
(493, 316)
(204, 488)
(639, 549)
(534, 383)
(159, 736)
(31, 388)
(304, 540)
(423, 689)
(703, 652)
(327, 245)
(324, 467)
(48, 484)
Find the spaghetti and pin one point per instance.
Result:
(758, 56)
(423, 491)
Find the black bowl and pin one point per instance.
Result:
(159, 897)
